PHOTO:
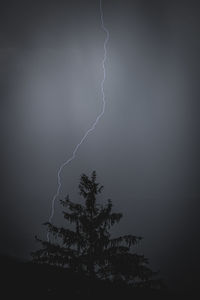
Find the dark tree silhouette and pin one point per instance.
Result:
(86, 246)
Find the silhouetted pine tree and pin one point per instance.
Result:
(88, 247)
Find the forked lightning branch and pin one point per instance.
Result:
(92, 128)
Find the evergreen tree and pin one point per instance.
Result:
(87, 247)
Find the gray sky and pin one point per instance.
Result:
(145, 148)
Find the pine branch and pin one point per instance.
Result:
(71, 217)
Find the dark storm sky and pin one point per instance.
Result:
(146, 147)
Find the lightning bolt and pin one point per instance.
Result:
(91, 129)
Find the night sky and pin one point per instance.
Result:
(145, 148)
